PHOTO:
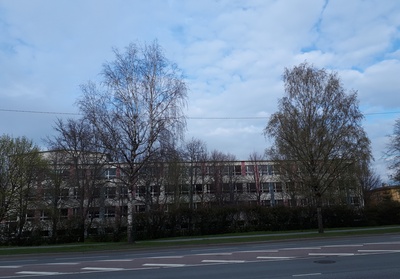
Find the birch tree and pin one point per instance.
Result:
(138, 104)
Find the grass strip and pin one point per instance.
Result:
(195, 240)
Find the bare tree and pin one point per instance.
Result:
(82, 154)
(255, 174)
(138, 105)
(393, 152)
(223, 176)
(368, 180)
(318, 128)
(55, 192)
(196, 155)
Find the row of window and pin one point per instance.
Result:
(155, 190)
(94, 212)
(226, 170)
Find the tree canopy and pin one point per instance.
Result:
(317, 130)
(393, 152)
(137, 109)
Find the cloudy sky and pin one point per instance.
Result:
(232, 53)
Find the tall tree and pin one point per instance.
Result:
(368, 180)
(20, 168)
(223, 177)
(78, 146)
(393, 152)
(137, 106)
(195, 153)
(255, 174)
(318, 129)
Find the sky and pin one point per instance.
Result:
(232, 53)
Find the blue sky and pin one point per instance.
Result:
(232, 53)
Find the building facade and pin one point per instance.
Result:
(96, 194)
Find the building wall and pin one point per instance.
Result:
(161, 187)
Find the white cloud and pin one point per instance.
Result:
(233, 54)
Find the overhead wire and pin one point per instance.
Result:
(189, 117)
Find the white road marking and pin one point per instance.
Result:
(308, 274)
(223, 261)
(167, 257)
(10, 266)
(260, 251)
(103, 268)
(214, 254)
(164, 265)
(274, 258)
(331, 254)
(344, 245)
(66, 263)
(379, 251)
(38, 273)
(117, 260)
(302, 248)
(383, 243)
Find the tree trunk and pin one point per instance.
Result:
(319, 213)
(130, 235)
(319, 217)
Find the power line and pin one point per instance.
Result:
(194, 118)
(38, 112)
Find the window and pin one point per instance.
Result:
(31, 194)
(63, 213)
(155, 190)
(94, 213)
(63, 173)
(211, 188)
(198, 188)
(279, 202)
(355, 200)
(109, 212)
(96, 192)
(196, 171)
(263, 169)
(141, 191)
(227, 170)
(47, 194)
(226, 188)
(64, 193)
(110, 192)
(140, 208)
(124, 211)
(266, 203)
(110, 173)
(30, 215)
(238, 170)
(265, 187)
(239, 188)
(44, 215)
(76, 211)
(252, 187)
(250, 170)
(123, 192)
(184, 188)
(76, 193)
(278, 187)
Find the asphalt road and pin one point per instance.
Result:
(349, 257)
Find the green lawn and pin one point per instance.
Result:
(196, 240)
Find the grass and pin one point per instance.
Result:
(195, 240)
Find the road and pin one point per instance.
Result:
(346, 257)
